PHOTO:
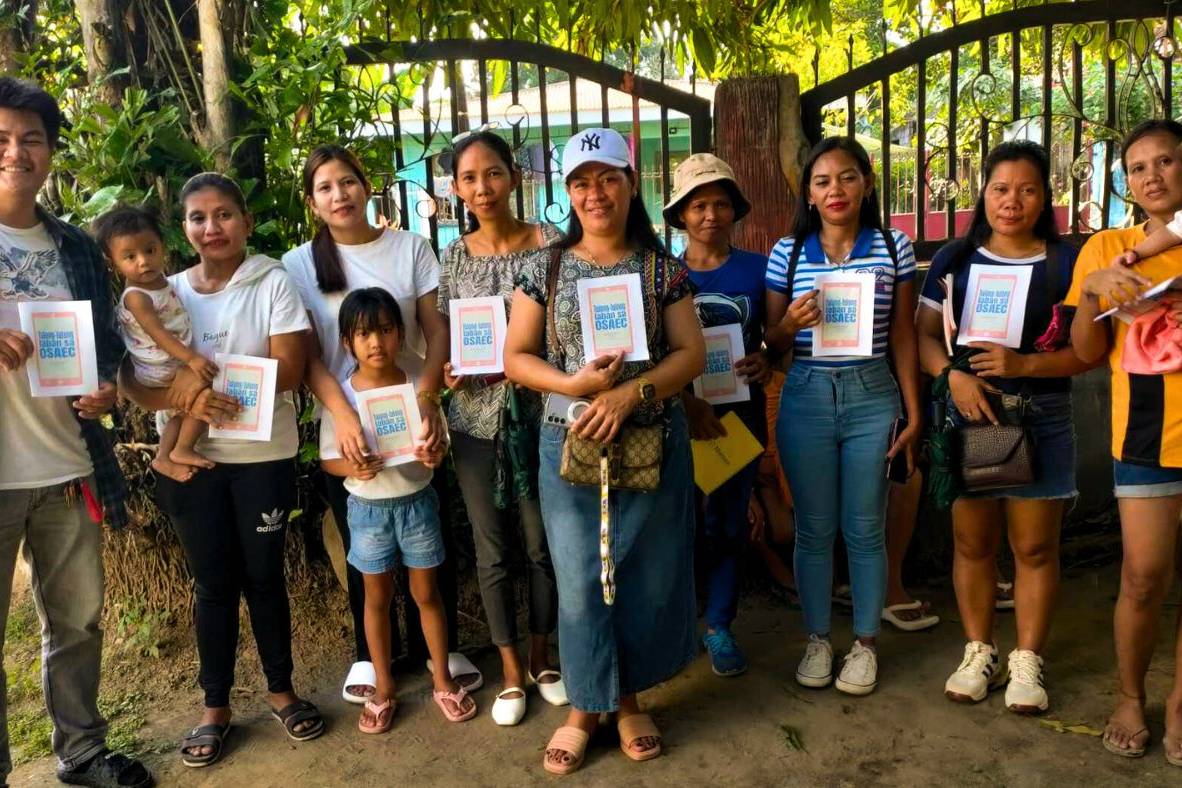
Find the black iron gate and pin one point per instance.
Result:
(518, 88)
(1073, 75)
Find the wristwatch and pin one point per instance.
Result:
(431, 396)
(648, 392)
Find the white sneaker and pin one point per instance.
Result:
(979, 673)
(816, 667)
(859, 670)
(1025, 693)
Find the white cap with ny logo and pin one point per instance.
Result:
(602, 146)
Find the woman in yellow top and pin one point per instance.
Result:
(1146, 430)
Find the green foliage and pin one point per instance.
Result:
(141, 629)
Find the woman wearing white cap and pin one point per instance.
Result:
(728, 290)
(627, 628)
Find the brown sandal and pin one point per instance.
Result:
(568, 739)
(638, 726)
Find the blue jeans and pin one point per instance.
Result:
(725, 530)
(724, 521)
(648, 635)
(833, 434)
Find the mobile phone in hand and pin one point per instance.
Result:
(897, 466)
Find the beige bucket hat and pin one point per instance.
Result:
(699, 170)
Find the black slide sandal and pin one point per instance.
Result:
(212, 735)
(293, 714)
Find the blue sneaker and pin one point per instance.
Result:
(726, 658)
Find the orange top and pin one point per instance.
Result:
(1146, 409)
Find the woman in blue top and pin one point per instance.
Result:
(837, 412)
(728, 289)
(1013, 227)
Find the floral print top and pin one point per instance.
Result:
(675, 285)
(475, 408)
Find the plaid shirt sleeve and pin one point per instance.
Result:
(86, 273)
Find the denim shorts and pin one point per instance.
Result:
(1146, 481)
(383, 531)
(1049, 424)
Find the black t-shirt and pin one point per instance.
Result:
(1038, 306)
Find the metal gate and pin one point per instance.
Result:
(1074, 76)
(536, 96)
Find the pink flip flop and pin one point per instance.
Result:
(380, 711)
(457, 697)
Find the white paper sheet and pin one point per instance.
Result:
(1129, 312)
(847, 315)
(995, 304)
(477, 335)
(250, 380)
(720, 384)
(611, 311)
(390, 421)
(64, 362)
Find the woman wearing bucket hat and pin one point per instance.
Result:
(728, 290)
(623, 558)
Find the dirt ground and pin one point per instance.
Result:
(725, 731)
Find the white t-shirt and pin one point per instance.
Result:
(257, 303)
(40, 438)
(400, 262)
(395, 482)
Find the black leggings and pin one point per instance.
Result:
(232, 523)
(416, 647)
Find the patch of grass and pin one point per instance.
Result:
(24, 681)
(29, 729)
(125, 716)
(22, 628)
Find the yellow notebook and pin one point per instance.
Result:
(718, 460)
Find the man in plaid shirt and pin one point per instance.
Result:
(58, 474)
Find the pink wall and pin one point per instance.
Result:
(936, 222)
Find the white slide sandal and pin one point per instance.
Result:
(460, 665)
(361, 674)
(890, 615)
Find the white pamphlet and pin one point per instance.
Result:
(64, 361)
(995, 304)
(250, 380)
(846, 302)
(390, 421)
(477, 335)
(1129, 312)
(720, 384)
(611, 310)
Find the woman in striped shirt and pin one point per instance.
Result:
(837, 411)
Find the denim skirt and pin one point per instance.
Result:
(1049, 423)
(648, 634)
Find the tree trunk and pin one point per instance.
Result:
(215, 77)
(757, 126)
(18, 25)
(104, 42)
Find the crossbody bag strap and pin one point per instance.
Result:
(552, 344)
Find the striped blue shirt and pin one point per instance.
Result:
(869, 256)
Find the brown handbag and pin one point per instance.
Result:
(633, 460)
(995, 457)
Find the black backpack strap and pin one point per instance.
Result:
(888, 237)
(1052, 273)
(793, 258)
